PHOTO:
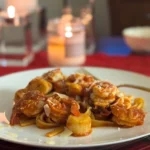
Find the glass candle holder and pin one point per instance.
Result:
(66, 43)
(15, 45)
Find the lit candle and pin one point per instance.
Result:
(56, 50)
(10, 14)
(11, 11)
(68, 32)
(74, 45)
(67, 49)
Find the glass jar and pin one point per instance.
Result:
(66, 42)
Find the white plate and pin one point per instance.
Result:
(99, 137)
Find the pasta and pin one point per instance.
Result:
(77, 102)
(55, 132)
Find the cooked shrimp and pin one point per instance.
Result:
(30, 105)
(60, 106)
(77, 84)
(39, 84)
(60, 86)
(81, 79)
(53, 76)
(103, 94)
(127, 114)
(19, 94)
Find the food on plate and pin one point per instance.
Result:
(39, 84)
(77, 102)
(53, 76)
(55, 131)
(128, 114)
(30, 105)
(19, 94)
(24, 123)
(79, 125)
(58, 107)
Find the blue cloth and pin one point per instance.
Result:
(113, 46)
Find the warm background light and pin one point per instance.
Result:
(22, 6)
(11, 11)
(68, 34)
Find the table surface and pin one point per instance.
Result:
(135, 63)
(132, 62)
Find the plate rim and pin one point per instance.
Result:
(38, 145)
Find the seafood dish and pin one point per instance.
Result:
(77, 102)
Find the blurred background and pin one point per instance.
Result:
(54, 9)
(27, 25)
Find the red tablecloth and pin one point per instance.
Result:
(140, 64)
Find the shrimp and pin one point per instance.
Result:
(19, 94)
(60, 86)
(77, 84)
(53, 76)
(30, 105)
(59, 107)
(127, 114)
(103, 94)
(39, 84)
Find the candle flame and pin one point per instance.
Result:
(11, 11)
(68, 32)
(68, 28)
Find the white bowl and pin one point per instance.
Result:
(137, 38)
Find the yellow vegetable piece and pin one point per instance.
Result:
(139, 103)
(74, 89)
(79, 125)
